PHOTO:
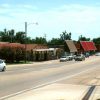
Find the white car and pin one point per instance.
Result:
(2, 65)
(70, 57)
(64, 58)
(97, 54)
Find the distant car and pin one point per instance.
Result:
(97, 54)
(79, 57)
(87, 55)
(64, 58)
(70, 57)
(74, 56)
(2, 65)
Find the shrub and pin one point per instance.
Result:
(11, 54)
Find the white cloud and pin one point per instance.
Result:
(5, 5)
(78, 19)
(29, 7)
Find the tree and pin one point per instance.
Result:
(60, 41)
(7, 54)
(96, 40)
(55, 41)
(7, 36)
(20, 37)
(65, 36)
(39, 40)
(82, 38)
(11, 54)
(19, 54)
(4, 36)
(11, 34)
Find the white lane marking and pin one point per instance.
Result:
(39, 86)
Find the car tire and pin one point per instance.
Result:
(4, 69)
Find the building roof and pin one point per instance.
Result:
(36, 46)
(71, 45)
(87, 45)
(28, 46)
(7, 44)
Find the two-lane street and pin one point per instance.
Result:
(20, 79)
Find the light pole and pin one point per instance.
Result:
(26, 38)
(25, 41)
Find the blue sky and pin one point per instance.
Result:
(81, 17)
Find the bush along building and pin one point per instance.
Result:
(16, 52)
(12, 52)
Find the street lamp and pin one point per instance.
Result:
(26, 38)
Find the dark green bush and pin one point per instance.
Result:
(12, 54)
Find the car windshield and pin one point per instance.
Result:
(1, 61)
(98, 53)
(63, 57)
(68, 54)
(78, 55)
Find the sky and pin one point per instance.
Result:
(80, 17)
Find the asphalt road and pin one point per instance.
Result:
(20, 78)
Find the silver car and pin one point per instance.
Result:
(2, 65)
(97, 54)
(70, 57)
(79, 57)
(64, 58)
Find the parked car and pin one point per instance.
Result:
(2, 65)
(70, 56)
(79, 57)
(87, 55)
(97, 54)
(64, 58)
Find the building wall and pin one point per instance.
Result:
(98, 47)
(79, 47)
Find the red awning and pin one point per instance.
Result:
(88, 46)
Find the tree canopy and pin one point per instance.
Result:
(83, 38)
(96, 40)
(60, 41)
(19, 37)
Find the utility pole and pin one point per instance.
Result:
(26, 38)
(25, 42)
(45, 36)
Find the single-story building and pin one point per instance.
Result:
(34, 52)
(70, 47)
(85, 46)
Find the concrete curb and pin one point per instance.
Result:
(33, 63)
